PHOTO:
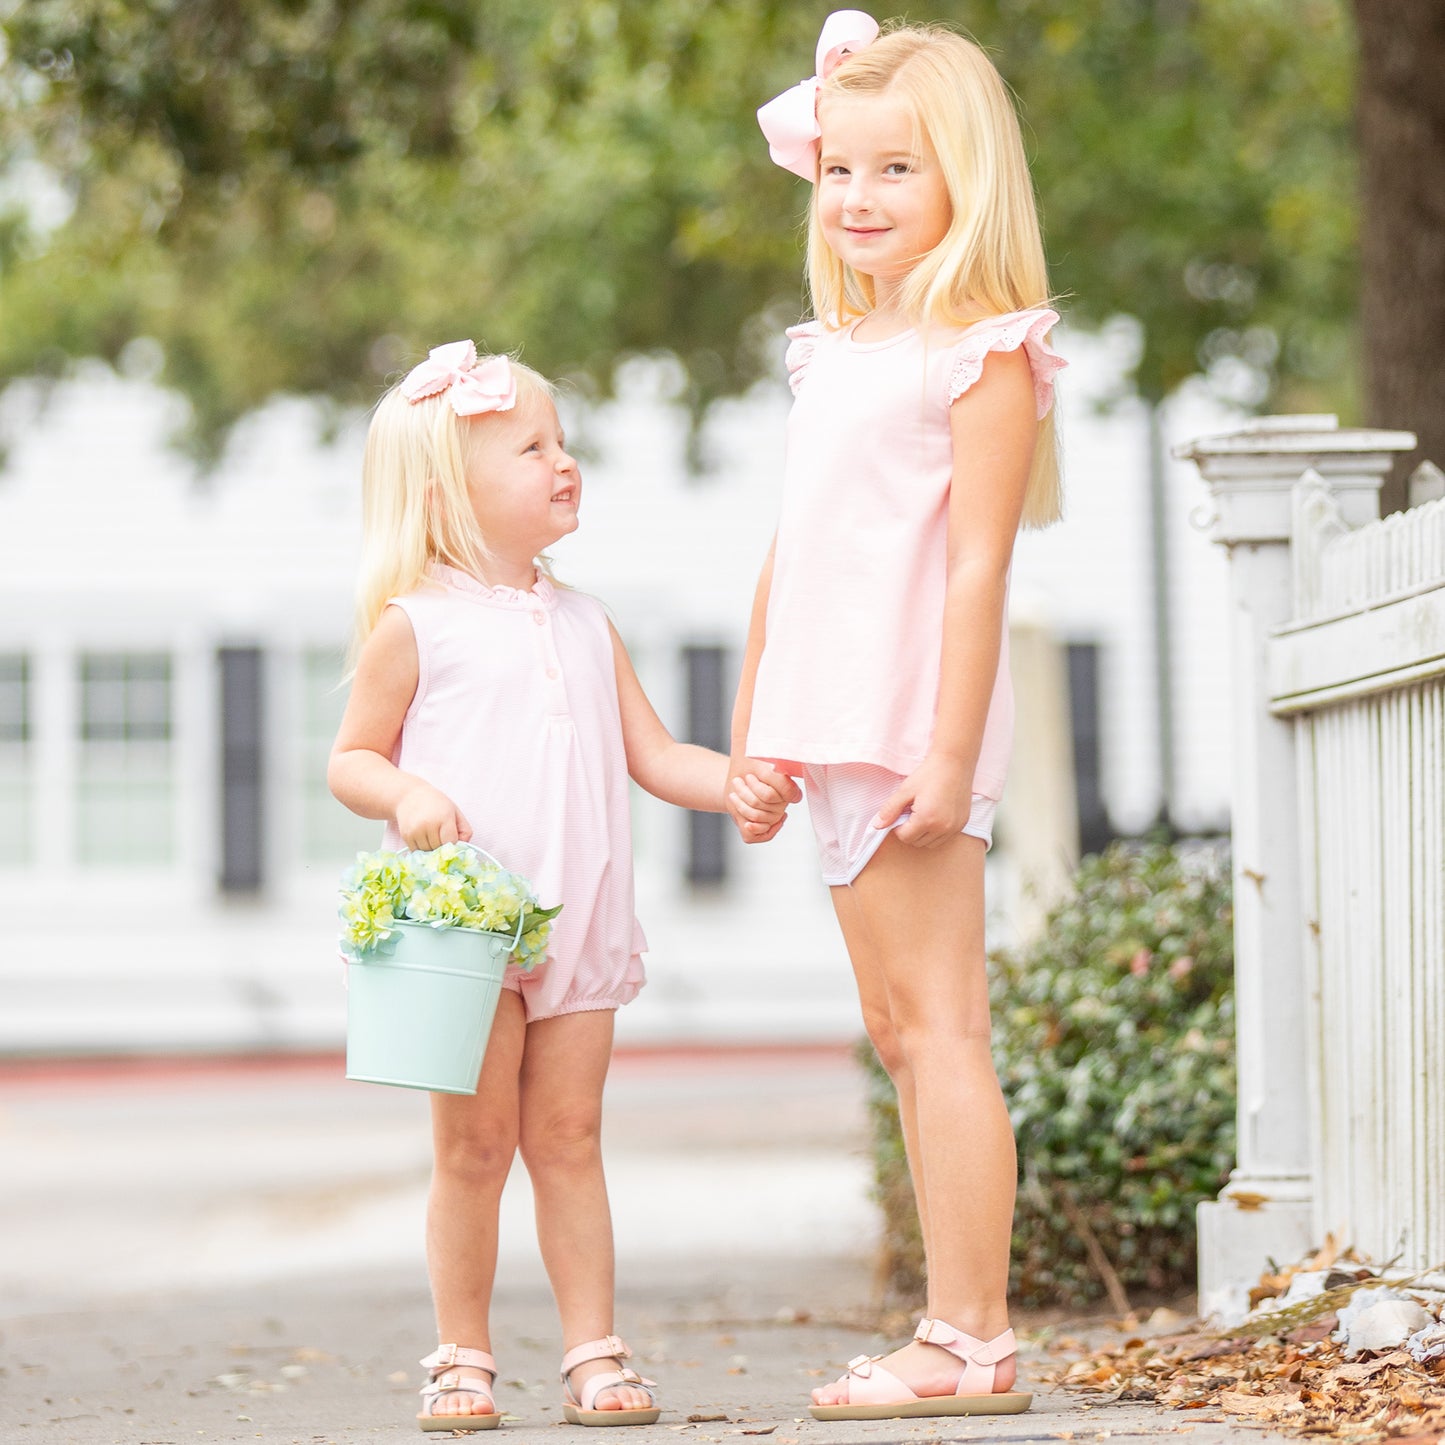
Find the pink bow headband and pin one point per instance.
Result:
(790, 120)
(473, 386)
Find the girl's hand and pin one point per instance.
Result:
(940, 794)
(758, 798)
(426, 818)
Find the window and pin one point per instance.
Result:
(330, 833)
(126, 801)
(15, 784)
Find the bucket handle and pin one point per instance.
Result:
(521, 912)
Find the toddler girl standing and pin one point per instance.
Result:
(877, 666)
(491, 704)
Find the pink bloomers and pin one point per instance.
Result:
(844, 798)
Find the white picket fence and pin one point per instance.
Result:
(1361, 670)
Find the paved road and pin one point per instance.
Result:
(228, 1253)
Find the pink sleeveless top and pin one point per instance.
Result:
(850, 666)
(516, 720)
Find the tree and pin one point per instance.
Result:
(296, 195)
(1402, 154)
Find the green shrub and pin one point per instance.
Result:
(1114, 1042)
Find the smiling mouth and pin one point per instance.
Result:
(567, 494)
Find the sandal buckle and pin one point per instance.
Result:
(446, 1355)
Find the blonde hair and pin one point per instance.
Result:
(991, 259)
(415, 506)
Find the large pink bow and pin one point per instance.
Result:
(790, 120)
(475, 386)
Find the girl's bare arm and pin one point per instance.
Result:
(680, 773)
(994, 426)
(360, 772)
(745, 797)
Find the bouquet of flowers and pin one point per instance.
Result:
(454, 886)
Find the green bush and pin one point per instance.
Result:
(1114, 1042)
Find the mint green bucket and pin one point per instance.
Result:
(419, 1016)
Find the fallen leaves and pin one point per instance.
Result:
(1294, 1385)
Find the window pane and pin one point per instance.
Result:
(148, 707)
(125, 803)
(15, 804)
(14, 698)
(15, 781)
(125, 695)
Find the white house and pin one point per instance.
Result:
(170, 658)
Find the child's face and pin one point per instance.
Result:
(524, 487)
(882, 200)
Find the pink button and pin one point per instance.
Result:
(539, 618)
(553, 673)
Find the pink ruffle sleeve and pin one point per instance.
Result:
(802, 343)
(1007, 333)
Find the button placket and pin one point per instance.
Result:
(551, 665)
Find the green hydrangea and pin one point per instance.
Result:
(453, 886)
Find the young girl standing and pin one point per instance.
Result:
(491, 704)
(877, 668)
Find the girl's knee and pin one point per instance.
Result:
(927, 1037)
(477, 1159)
(884, 1038)
(563, 1139)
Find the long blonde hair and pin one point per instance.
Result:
(415, 506)
(991, 259)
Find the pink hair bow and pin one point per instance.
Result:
(790, 120)
(475, 386)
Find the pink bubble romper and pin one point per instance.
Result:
(847, 686)
(516, 720)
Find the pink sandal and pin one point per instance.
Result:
(878, 1394)
(582, 1409)
(444, 1380)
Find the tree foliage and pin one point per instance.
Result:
(299, 195)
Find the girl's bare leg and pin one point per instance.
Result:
(962, 1153)
(878, 1021)
(563, 1071)
(474, 1138)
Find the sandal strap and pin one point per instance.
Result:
(870, 1384)
(610, 1380)
(609, 1347)
(980, 1358)
(445, 1356)
(452, 1384)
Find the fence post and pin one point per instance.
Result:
(1266, 1211)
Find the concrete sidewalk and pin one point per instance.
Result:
(233, 1254)
(333, 1360)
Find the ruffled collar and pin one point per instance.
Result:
(541, 593)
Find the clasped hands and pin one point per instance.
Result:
(936, 797)
(758, 797)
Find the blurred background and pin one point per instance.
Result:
(225, 225)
